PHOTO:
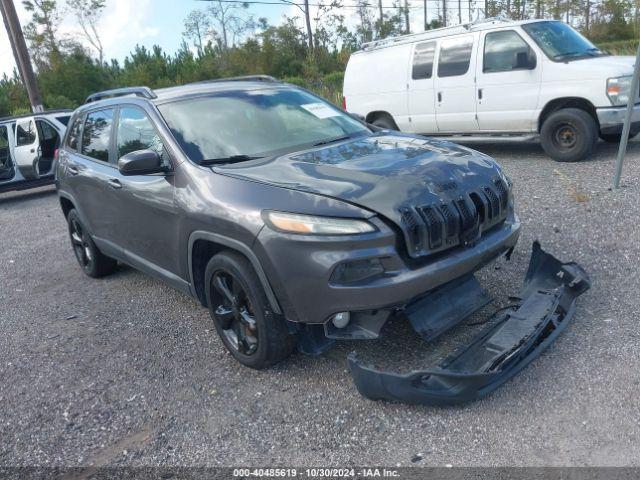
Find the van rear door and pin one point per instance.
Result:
(421, 102)
(508, 83)
(455, 84)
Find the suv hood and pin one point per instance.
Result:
(386, 172)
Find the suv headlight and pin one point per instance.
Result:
(311, 225)
(618, 90)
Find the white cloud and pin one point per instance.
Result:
(124, 23)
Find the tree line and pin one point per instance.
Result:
(227, 39)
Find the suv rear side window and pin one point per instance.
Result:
(25, 133)
(74, 133)
(423, 60)
(136, 132)
(455, 56)
(96, 135)
(501, 51)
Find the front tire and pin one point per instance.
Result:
(569, 135)
(92, 261)
(242, 316)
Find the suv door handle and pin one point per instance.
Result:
(479, 94)
(73, 170)
(439, 96)
(114, 183)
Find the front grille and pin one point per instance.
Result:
(439, 226)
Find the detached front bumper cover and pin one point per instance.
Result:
(546, 305)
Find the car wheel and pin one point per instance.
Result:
(569, 135)
(386, 122)
(92, 261)
(242, 316)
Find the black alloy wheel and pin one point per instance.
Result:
(234, 313)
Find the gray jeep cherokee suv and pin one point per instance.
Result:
(295, 223)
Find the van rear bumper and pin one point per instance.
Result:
(611, 119)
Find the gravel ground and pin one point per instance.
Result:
(127, 371)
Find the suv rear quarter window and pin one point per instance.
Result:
(74, 133)
(96, 135)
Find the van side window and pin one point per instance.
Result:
(505, 51)
(423, 60)
(455, 56)
(25, 133)
(96, 135)
(136, 132)
(74, 133)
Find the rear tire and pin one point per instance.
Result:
(385, 121)
(569, 135)
(92, 261)
(241, 313)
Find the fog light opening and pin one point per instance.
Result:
(341, 319)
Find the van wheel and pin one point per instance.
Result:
(385, 121)
(253, 334)
(569, 135)
(92, 261)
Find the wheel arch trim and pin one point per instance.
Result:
(76, 206)
(240, 248)
(559, 103)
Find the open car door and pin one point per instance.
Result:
(7, 171)
(27, 148)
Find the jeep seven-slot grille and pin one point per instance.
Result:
(461, 221)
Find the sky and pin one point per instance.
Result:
(126, 23)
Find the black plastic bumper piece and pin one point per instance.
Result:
(546, 306)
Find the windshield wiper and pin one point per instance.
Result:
(332, 140)
(229, 159)
(592, 52)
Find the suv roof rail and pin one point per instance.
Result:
(144, 92)
(243, 78)
(25, 115)
(434, 33)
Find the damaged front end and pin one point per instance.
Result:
(544, 308)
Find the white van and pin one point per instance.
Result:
(513, 79)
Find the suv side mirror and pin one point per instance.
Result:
(141, 162)
(525, 61)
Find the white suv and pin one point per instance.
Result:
(27, 148)
(495, 78)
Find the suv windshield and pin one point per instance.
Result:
(561, 42)
(241, 125)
